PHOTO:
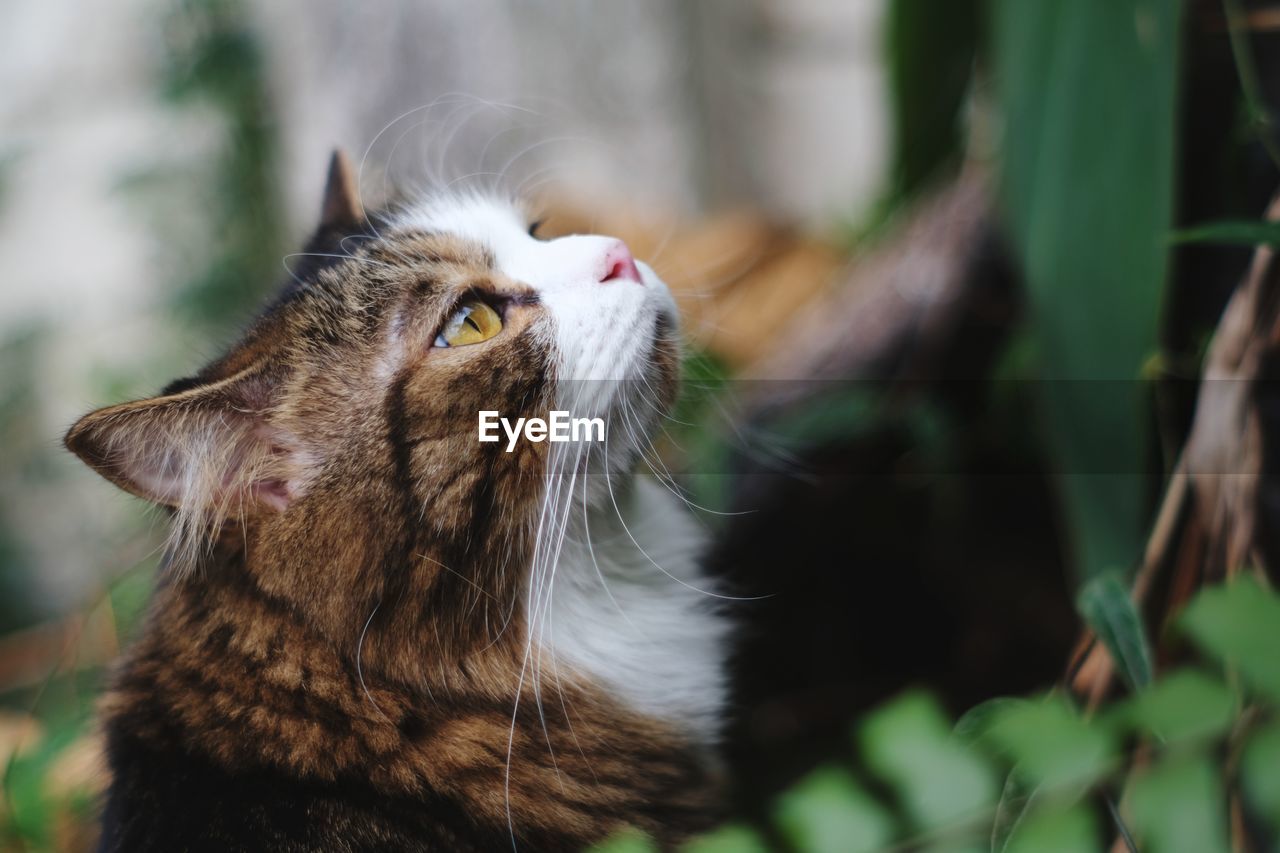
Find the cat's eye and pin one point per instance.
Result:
(473, 322)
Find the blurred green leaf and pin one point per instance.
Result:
(703, 380)
(728, 839)
(129, 595)
(696, 434)
(1259, 117)
(1260, 772)
(1016, 801)
(30, 807)
(1051, 744)
(955, 846)
(1232, 232)
(1017, 794)
(1239, 622)
(837, 415)
(931, 50)
(1184, 705)
(1178, 807)
(938, 779)
(974, 724)
(1057, 830)
(214, 57)
(1105, 604)
(1087, 91)
(827, 812)
(852, 410)
(626, 841)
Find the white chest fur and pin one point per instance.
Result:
(631, 609)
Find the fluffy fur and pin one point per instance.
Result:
(379, 633)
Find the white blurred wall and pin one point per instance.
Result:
(778, 104)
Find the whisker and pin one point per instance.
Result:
(645, 554)
(360, 668)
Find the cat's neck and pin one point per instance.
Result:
(232, 673)
(631, 607)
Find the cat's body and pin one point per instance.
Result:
(385, 634)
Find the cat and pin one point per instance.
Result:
(372, 630)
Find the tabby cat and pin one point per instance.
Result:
(374, 631)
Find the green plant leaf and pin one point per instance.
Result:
(930, 65)
(1232, 232)
(1087, 93)
(1177, 807)
(1260, 772)
(626, 841)
(826, 812)
(938, 779)
(974, 724)
(31, 807)
(1059, 830)
(1239, 622)
(1106, 605)
(953, 845)
(1185, 705)
(733, 838)
(1016, 801)
(1052, 746)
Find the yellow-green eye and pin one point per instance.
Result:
(473, 322)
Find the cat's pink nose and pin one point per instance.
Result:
(619, 265)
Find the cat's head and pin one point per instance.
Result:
(339, 439)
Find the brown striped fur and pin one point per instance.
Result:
(343, 614)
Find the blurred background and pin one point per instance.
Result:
(949, 272)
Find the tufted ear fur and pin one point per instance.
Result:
(209, 451)
(208, 447)
(341, 208)
(342, 218)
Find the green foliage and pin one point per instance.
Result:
(732, 838)
(1232, 232)
(935, 786)
(1258, 116)
(129, 594)
(1050, 744)
(705, 450)
(1087, 95)
(1240, 625)
(702, 385)
(1185, 705)
(627, 841)
(939, 781)
(25, 461)
(32, 802)
(214, 58)
(1178, 806)
(1258, 772)
(1017, 801)
(931, 51)
(1106, 605)
(1066, 831)
(829, 811)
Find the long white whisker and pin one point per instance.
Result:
(586, 527)
(645, 554)
(360, 669)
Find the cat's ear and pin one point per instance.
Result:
(209, 451)
(341, 208)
